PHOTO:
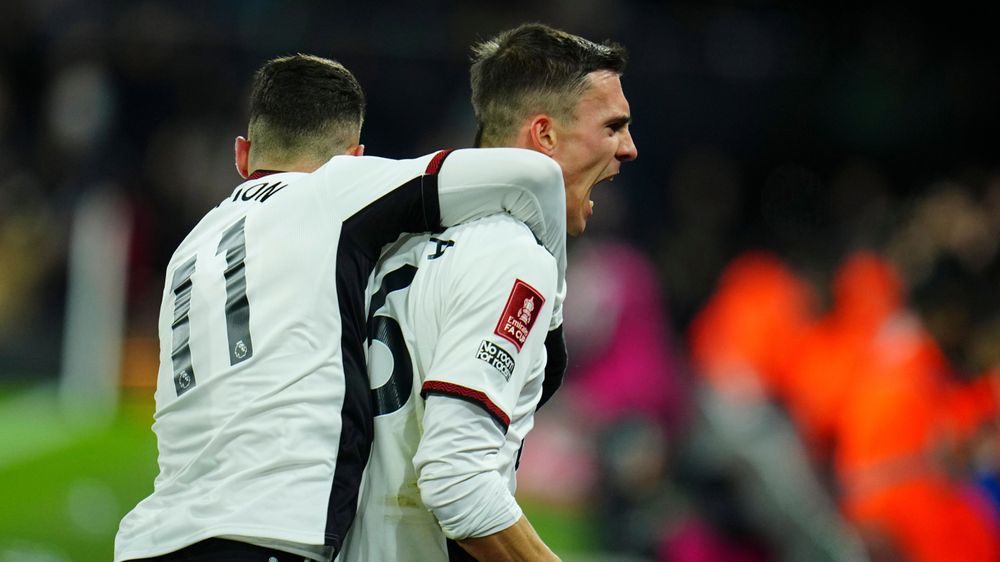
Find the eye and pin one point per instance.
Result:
(617, 125)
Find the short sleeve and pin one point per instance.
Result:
(497, 305)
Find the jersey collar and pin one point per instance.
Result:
(261, 173)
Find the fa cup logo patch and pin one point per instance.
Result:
(519, 315)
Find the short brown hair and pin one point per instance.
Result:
(304, 105)
(532, 69)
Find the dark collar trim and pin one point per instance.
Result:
(261, 173)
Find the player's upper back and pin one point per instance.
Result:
(255, 280)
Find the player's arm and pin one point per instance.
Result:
(481, 384)
(459, 484)
(455, 187)
(477, 182)
(515, 543)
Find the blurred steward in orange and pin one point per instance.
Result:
(867, 387)
(741, 338)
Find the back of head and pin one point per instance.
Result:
(533, 69)
(304, 107)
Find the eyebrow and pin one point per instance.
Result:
(619, 121)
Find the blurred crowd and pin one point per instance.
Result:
(783, 324)
(847, 410)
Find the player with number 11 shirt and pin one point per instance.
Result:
(263, 418)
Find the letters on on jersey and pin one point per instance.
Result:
(520, 313)
(258, 191)
(442, 245)
(496, 357)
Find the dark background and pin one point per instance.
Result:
(808, 131)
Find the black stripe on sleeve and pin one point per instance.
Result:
(412, 207)
(429, 192)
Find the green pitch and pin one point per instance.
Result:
(64, 486)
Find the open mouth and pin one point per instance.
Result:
(590, 202)
(601, 181)
(607, 179)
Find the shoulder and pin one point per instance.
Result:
(365, 173)
(348, 184)
(498, 232)
(377, 164)
(497, 247)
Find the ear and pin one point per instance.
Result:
(242, 150)
(542, 134)
(356, 150)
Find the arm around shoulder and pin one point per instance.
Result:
(476, 182)
(516, 170)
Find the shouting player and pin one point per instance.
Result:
(458, 320)
(263, 418)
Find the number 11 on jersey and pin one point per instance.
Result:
(234, 244)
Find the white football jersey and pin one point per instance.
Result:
(263, 418)
(462, 314)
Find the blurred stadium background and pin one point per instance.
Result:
(783, 322)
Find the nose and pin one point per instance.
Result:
(627, 150)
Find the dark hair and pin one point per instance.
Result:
(303, 104)
(531, 69)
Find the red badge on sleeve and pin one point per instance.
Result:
(519, 315)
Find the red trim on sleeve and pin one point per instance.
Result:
(435, 165)
(468, 394)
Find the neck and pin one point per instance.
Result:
(516, 142)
